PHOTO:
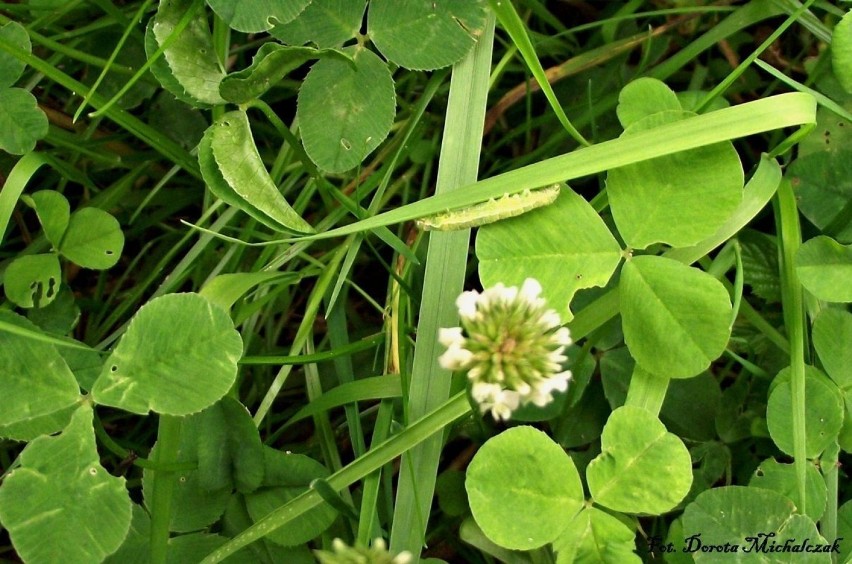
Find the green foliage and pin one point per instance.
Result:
(824, 266)
(271, 63)
(425, 35)
(676, 318)
(325, 23)
(32, 280)
(565, 246)
(178, 356)
(60, 486)
(635, 449)
(841, 51)
(781, 478)
(35, 374)
(22, 123)
(188, 51)
(595, 536)
(522, 488)
(234, 171)
(275, 302)
(252, 16)
(824, 412)
(346, 109)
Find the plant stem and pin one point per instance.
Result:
(168, 443)
(647, 390)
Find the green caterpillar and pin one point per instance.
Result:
(490, 211)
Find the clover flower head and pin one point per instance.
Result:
(511, 346)
(376, 554)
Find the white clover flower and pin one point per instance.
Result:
(376, 554)
(511, 346)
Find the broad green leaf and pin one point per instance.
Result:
(253, 16)
(675, 318)
(288, 475)
(731, 515)
(85, 364)
(636, 450)
(616, 369)
(30, 429)
(841, 51)
(178, 356)
(565, 246)
(53, 211)
(194, 506)
(832, 335)
(345, 111)
(325, 23)
(425, 35)
(470, 533)
(191, 56)
(452, 497)
(687, 416)
(824, 267)
(241, 167)
(220, 188)
(822, 175)
(34, 374)
(22, 123)
(678, 199)
(134, 549)
(781, 478)
(584, 422)
(61, 505)
(164, 75)
(644, 97)
(271, 63)
(798, 530)
(33, 280)
(179, 120)
(675, 537)
(523, 488)
(230, 454)
(823, 412)
(93, 239)
(11, 68)
(595, 536)
(760, 264)
(60, 316)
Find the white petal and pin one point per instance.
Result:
(557, 382)
(496, 294)
(530, 290)
(550, 319)
(450, 336)
(501, 412)
(484, 392)
(562, 336)
(466, 302)
(541, 399)
(455, 358)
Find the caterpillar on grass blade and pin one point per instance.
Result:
(490, 211)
